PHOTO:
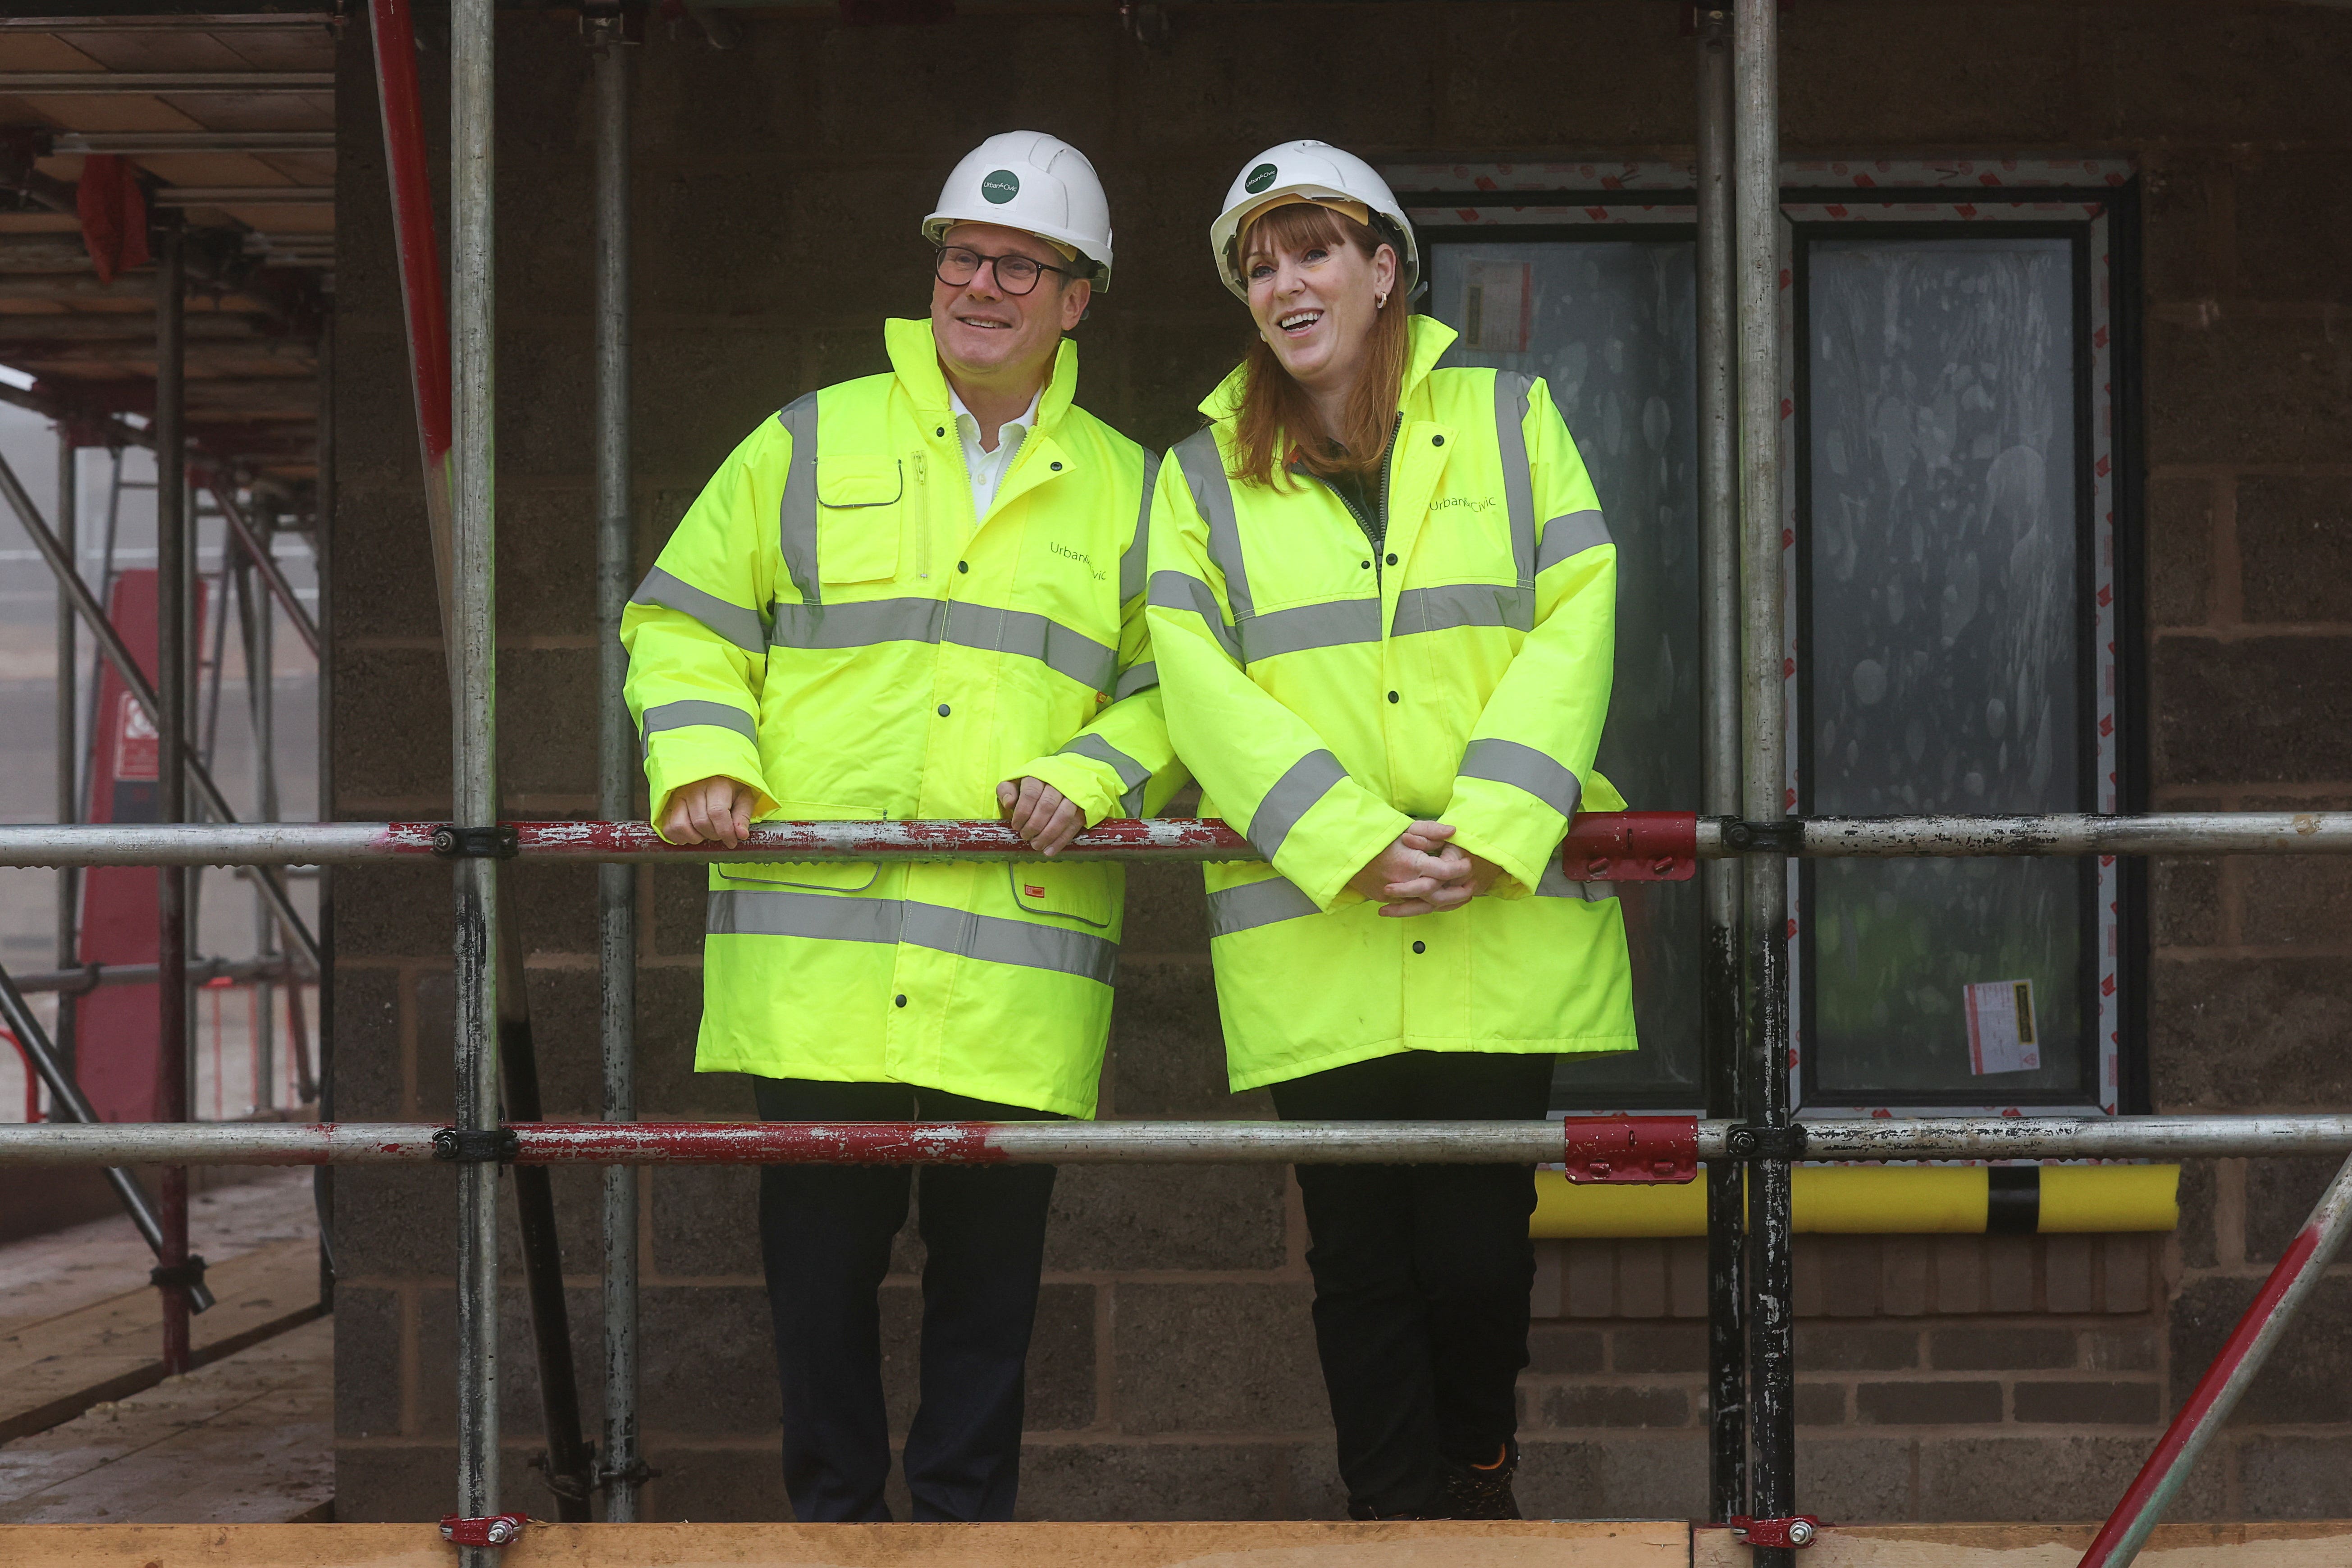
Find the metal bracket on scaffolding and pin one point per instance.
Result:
(188, 1276)
(498, 1529)
(1797, 1529)
(1654, 1149)
(477, 1145)
(496, 843)
(1785, 836)
(1751, 1140)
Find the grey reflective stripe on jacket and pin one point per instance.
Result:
(1183, 591)
(1255, 904)
(1557, 884)
(1511, 390)
(991, 939)
(1132, 776)
(682, 714)
(733, 623)
(1452, 604)
(862, 623)
(1203, 467)
(796, 514)
(1309, 627)
(1137, 678)
(1524, 767)
(1570, 535)
(1294, 795)
(1132, 566)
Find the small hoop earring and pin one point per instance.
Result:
(1382, 303)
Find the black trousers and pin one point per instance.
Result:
(824, 1236)
(1421, 1272)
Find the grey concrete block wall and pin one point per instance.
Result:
(776, 189)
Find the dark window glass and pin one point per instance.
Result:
(1943, 661)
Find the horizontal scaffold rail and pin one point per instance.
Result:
(1603, 845)
(1615, 1149)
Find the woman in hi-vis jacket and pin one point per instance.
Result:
(1382, 601)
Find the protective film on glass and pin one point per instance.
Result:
(1943, 662)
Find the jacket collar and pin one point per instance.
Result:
(1430, 338)
(915, 360)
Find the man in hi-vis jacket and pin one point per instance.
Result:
(915, 595)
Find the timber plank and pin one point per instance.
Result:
(52, 1371)
(248, 1439)
(2322, 1543)
(1434, 1544)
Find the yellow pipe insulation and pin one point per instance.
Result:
(1885, 1200)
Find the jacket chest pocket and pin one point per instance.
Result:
(858, 518)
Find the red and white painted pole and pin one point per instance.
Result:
(2250, 1344)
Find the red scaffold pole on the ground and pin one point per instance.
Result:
(2160, 1481)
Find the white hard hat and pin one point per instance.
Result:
(1320, 172)
(1028, 180)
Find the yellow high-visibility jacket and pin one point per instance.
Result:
(831, 626)
(1326, 698)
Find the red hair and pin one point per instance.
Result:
(1277, 420)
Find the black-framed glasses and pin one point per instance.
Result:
(959, 264)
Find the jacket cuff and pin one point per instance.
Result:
(1091, 785)
(675, 763)
(1499, 822)
(1334, 841)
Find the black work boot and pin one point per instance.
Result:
(1480, 1492)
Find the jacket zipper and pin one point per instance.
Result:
(1381, 506)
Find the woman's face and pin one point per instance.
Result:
(1317, 306)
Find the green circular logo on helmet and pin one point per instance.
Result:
(1001, 186)
(1259, 178)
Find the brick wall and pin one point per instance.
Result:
(776, 187)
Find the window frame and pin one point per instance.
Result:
(2091, 202)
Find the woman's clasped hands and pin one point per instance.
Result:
(1422, 874)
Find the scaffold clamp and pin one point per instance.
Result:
(499, 842)
(498, 1529)
(1798, 1530)
(475, 1145)
(1756, 1141)
(1780, 835)
(1632, 847)
(1652, 1149)
(186, 1275)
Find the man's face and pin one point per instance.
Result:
(985, 332)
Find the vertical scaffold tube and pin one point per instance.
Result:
(474, 720)
(175, 641)
(2250, 1344)
(1771, 1376)
(69, 708)
(616, 768)
(323, 554)
(1726, 1357)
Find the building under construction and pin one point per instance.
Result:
(1968, 390)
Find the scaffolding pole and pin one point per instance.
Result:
(1174, 840)
(67, 730)
(1647, 1150)
(174, 646)
(1755, 200)
(1720, 622)
(170, 781)
(323, 550)
(474, 802)
(2240, 1361)
(68, 1103)
(623, 1470)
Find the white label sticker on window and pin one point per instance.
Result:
(2001, 1036)
(1498, 307)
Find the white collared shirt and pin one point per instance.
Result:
(987, 469)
